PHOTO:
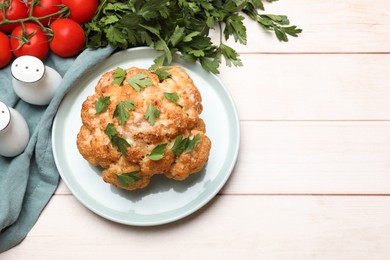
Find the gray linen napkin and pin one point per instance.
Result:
(28, 180)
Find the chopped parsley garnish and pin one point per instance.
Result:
(121, 110)
(186, 145)
(152, 114)
(162, 73)
(192, 143)
(139, 81)
(110, 130)
(119, 76)
(116, 140)
(128, 179)
(101, 105)
(173, 97)
(158, 152)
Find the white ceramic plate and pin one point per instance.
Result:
(164, 200)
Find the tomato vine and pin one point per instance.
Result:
(63, 12)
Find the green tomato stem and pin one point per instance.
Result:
(31, 18)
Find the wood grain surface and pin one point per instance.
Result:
(312, 180)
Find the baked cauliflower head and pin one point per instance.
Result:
(139, 123)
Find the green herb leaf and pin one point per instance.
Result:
(177, 35)
(158, 152)
(230, 55)
(179, 145)
(101, 105)
(235, 27)
(152, 114)
(128, 179)
(192, 143)
(117, 36)
(162, 73)
(186, 145)
(173, 97)
(189, 36)
(119, 76)
(120, 143)
(110, 130)
(121, 110)
(211, 65)
(139, 81)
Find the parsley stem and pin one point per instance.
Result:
(220, 32)
(102, 5)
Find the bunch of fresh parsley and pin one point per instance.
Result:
(182, 26)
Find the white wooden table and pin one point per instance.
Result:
(312, 180)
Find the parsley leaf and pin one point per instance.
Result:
(192, 143)
(230, 55)
(139, 81)
(162, 73)
(186, 145)
(173, 97)
(119, 76)
(101, 105)
(110, 130)
(152, 114)
(120, 142)
(128, 179)
(158, 152)
(235, 27)
(179, 145)
(121, 110)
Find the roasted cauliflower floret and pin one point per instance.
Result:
(140, 123)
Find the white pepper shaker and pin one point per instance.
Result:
(34, 82)
(14, 133)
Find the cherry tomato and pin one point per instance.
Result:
(44, 8)
(17, 9)
(68, 37)
(29, 41)
(5, 50)
(81, 11)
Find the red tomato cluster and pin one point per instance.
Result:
(63, 36)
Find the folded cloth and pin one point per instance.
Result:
(28, 180)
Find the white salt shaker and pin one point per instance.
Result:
(34, 82)
(14, 133)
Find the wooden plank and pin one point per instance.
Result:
(328, 26)
(310, 87)
(238, 227)
(310, 158)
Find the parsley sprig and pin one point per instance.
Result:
(139, 81)
(152, 114)
(128, 179)
(185, 145)
(101, 105)
(119, 76)
(121, 110)
(158, 152)
(162, 73)
(116, 140)
(182, 26)
(173, 97)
